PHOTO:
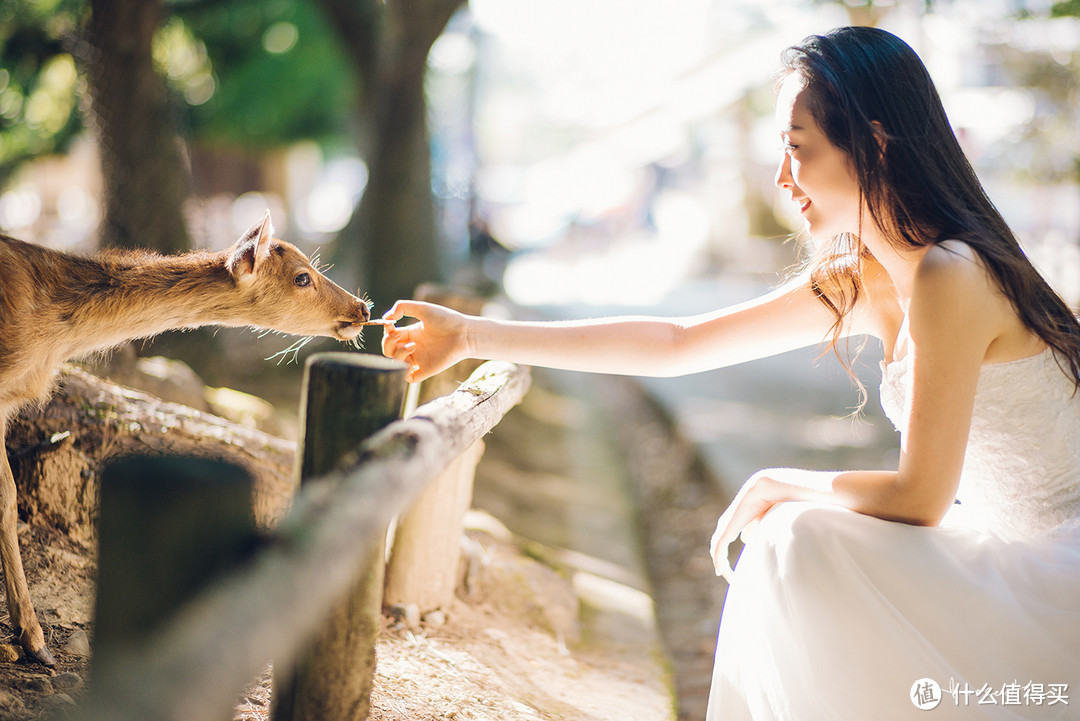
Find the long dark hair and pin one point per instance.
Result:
(866, 85)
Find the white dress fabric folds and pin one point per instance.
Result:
(835, 616)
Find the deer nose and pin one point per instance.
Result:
(365, 312)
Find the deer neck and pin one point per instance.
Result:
(138, 297)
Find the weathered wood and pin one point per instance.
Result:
(192, 669)
(57, 450)
(423, 564)
(169, 526)
(346, 397)
(423, 567)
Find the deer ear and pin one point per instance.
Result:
(262, 244)
(252, 248)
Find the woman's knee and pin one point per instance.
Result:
(797, 536)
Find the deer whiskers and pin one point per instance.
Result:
(293, 350)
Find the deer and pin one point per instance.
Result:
(56, 306)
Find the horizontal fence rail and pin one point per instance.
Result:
(193, 667)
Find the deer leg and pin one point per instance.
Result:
(20, 607)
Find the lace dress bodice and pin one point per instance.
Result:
(1021, 473)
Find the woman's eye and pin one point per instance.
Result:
(302, 281)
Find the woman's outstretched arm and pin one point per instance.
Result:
(787, 318)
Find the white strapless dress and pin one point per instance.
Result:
(834, 615)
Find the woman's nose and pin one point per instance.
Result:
(783, 179)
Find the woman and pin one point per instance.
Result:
(954, 579)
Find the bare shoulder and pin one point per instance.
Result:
(956, 300)
(953, 270)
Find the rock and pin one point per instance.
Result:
(9, 653)
(412, 616)
(409, 614)
(242, 408)
(78, 644)
(66, 681)
(58, 701)
(169, 379)
(35, 685)
(10, 703)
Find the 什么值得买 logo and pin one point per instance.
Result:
(927, 694)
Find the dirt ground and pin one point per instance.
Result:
(61, 576)
(513, 644)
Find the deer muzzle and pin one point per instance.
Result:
(351, 323)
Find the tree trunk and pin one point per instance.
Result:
(390, 246)
(57, 450)
(146, 179)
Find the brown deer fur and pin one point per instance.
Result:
(55, 306)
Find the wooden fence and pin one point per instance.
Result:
(305, 595)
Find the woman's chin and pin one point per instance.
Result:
(822, 231)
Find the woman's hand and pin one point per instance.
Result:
(752, 502)
(436, 342)
(760, 493)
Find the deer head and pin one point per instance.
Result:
(284, 291)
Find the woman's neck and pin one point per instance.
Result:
(899, 265)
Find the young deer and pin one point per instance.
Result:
(55, 306)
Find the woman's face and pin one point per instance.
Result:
(819, 176)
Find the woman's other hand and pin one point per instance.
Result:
(750, 504)
(760, 493)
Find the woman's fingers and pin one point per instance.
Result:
(411, 308)
(389, 343)
(719, 551)
(393, 347)
(718, 546)
(747, 534)
(396, 311)
(402, 352)
(739, 519)
(428, 346)
(393, 340)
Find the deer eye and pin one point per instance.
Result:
(302, 281)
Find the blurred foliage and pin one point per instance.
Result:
(1065, 8)
(40, 89)
(245, 73)
(257, 73)
(1043, 150)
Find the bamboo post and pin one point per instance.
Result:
(423, 565)
(346, 398)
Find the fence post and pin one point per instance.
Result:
(346, 397)
(423, 564)
(423, 567)
(168, 527)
